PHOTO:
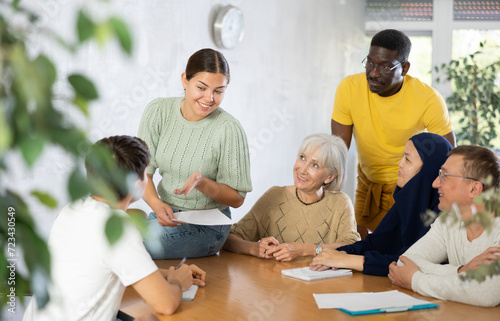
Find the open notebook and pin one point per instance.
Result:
(308, 275)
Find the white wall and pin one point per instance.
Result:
(283, 76)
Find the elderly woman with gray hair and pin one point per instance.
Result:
(289, 222)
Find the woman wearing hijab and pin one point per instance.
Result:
(402, 226)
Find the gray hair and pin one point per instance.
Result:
(332, 155)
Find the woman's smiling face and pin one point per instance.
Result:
(204, 93)
(308, 174)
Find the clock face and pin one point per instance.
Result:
(228, 27)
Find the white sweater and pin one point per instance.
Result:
(447, 242)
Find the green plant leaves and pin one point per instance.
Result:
(29, 122)
(46, 70)
(35, 251)
(482, 272)
(102, 32)
(32, 79)
(114, 228)
(475, 97)
(85, 91)
(83, 86)
(105, 178)
(85, 27)
(490, 199)
(5, 132)
(38, 260)
(71, 139)
(123, 34)
(31, 148)
(116, 224)
(139, 219)
(45, 198)
(77, 185)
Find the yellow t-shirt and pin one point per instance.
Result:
(383, 125)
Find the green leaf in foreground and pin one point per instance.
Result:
(77, 185)
(31, 148)
(83, 86)
(114, 228)
(122, 33)
(45, 198)
(85, 27)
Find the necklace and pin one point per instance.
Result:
(316, 201)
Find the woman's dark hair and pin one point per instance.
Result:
(207, 60)
(111, 161)
(393, 40)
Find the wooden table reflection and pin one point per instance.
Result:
(246, 288)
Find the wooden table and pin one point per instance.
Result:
(241, 287)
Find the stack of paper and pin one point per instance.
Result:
(307, 274)
(367, 302)
(203, 217)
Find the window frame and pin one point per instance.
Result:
(440, 29)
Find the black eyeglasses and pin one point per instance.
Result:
(442, 176)
(383, 69)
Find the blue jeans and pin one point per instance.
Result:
(186, 240)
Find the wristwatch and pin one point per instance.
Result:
(318, 249)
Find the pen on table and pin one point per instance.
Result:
(182, 262)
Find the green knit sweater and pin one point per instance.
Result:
(215, 146)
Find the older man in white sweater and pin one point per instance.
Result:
(432, 266)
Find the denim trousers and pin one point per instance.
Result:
(186, 240)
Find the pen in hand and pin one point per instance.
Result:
(182, 262)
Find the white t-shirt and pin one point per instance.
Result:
(89, 276)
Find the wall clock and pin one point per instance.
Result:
(228, 27)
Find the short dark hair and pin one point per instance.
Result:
(393, 40)
(207, 60)
(480, 163)
(130, 155)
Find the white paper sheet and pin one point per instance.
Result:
(306, 274)
(190, 293)
(366, 300)
(203, 217)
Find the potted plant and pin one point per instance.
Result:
(475, 97)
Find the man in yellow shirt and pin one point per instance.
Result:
(383, 108)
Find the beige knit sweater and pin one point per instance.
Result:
(280, 214)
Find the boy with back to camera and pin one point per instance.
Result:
(89, 275)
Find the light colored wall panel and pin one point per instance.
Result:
(283, 76)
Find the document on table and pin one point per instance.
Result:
(190, 293)
(203, 217)
(371, 302)
(307, 274)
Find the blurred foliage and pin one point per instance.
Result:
(491, 201)
(475, 97)
(29, 123)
